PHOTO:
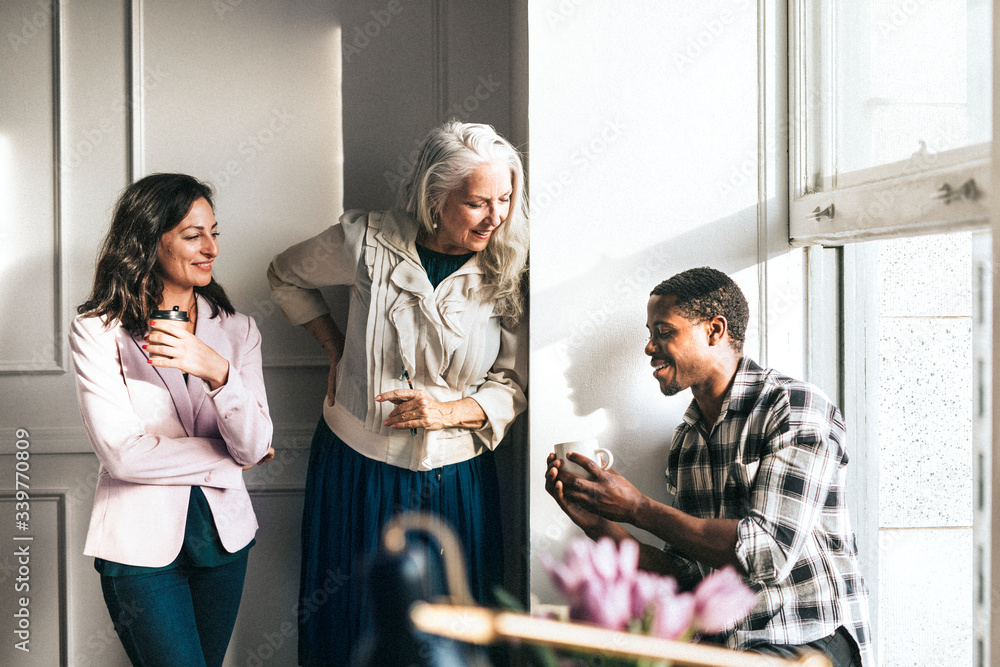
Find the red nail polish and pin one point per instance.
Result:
(152, 323)
(144, 347)
(149, 361)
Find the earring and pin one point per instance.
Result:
(434, 221)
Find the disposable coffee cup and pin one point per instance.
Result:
(175, 315)
(589, 448)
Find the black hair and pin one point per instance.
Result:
(705, 293)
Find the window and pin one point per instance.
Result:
(891, 117)
(926, 406)
(890, 110)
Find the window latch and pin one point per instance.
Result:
(947, 194)
(818, 214)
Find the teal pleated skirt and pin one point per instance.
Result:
(349, 498)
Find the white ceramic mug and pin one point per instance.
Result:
(586, 448)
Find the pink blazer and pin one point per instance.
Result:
(156, 436)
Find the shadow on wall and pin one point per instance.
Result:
(598, 319)
(727, 244)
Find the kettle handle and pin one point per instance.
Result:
(394, 541)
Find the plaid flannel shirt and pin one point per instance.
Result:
(775, 461)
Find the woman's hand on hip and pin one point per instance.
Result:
(416, 409)
(170, 345)
(267, 457)
(331, 380)
(324, 330)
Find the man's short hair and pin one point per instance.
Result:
(705, 293)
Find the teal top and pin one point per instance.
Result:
(439, 265)
(201, 548)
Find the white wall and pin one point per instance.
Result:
(646, 148)
(295, 110)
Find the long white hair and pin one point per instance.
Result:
(448, 155)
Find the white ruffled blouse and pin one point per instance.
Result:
(448, 339)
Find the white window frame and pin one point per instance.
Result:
(992, 648)
(926, 194)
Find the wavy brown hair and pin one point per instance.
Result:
(127, 287)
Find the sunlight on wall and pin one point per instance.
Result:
(643, 163)
(639, 155)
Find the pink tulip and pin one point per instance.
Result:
(607, 604)
(577, 567)
(645, 589)
(579, 558)
(603, 585)
(672, 613)
(721, 601)
(604, 557)
(579, 550)
(628, 559)
(585, 560)
(566, 579)
(672, 616)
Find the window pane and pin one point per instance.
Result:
(893, 82)
(928, 489)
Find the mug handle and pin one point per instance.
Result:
(607, 453)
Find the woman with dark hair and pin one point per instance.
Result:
(175, 411)
(425, 379)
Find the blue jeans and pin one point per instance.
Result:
(181, 616)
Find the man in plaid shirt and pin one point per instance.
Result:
(757, 473)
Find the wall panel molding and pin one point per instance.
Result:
(74, 440)
(44, 583)
(59, 342)
(135, 91)
(24, 190)
(298, 361)
(441, 28)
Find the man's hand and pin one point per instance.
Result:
(593, 525)
(597, 505)
(650, 558)
(609, 495)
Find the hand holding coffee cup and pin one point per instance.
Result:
(588, 448)
(171, 344)
(175, 315)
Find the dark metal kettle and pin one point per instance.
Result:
(401, 575)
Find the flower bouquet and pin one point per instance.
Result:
(604, 586)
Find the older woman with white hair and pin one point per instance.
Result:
(425, 379)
